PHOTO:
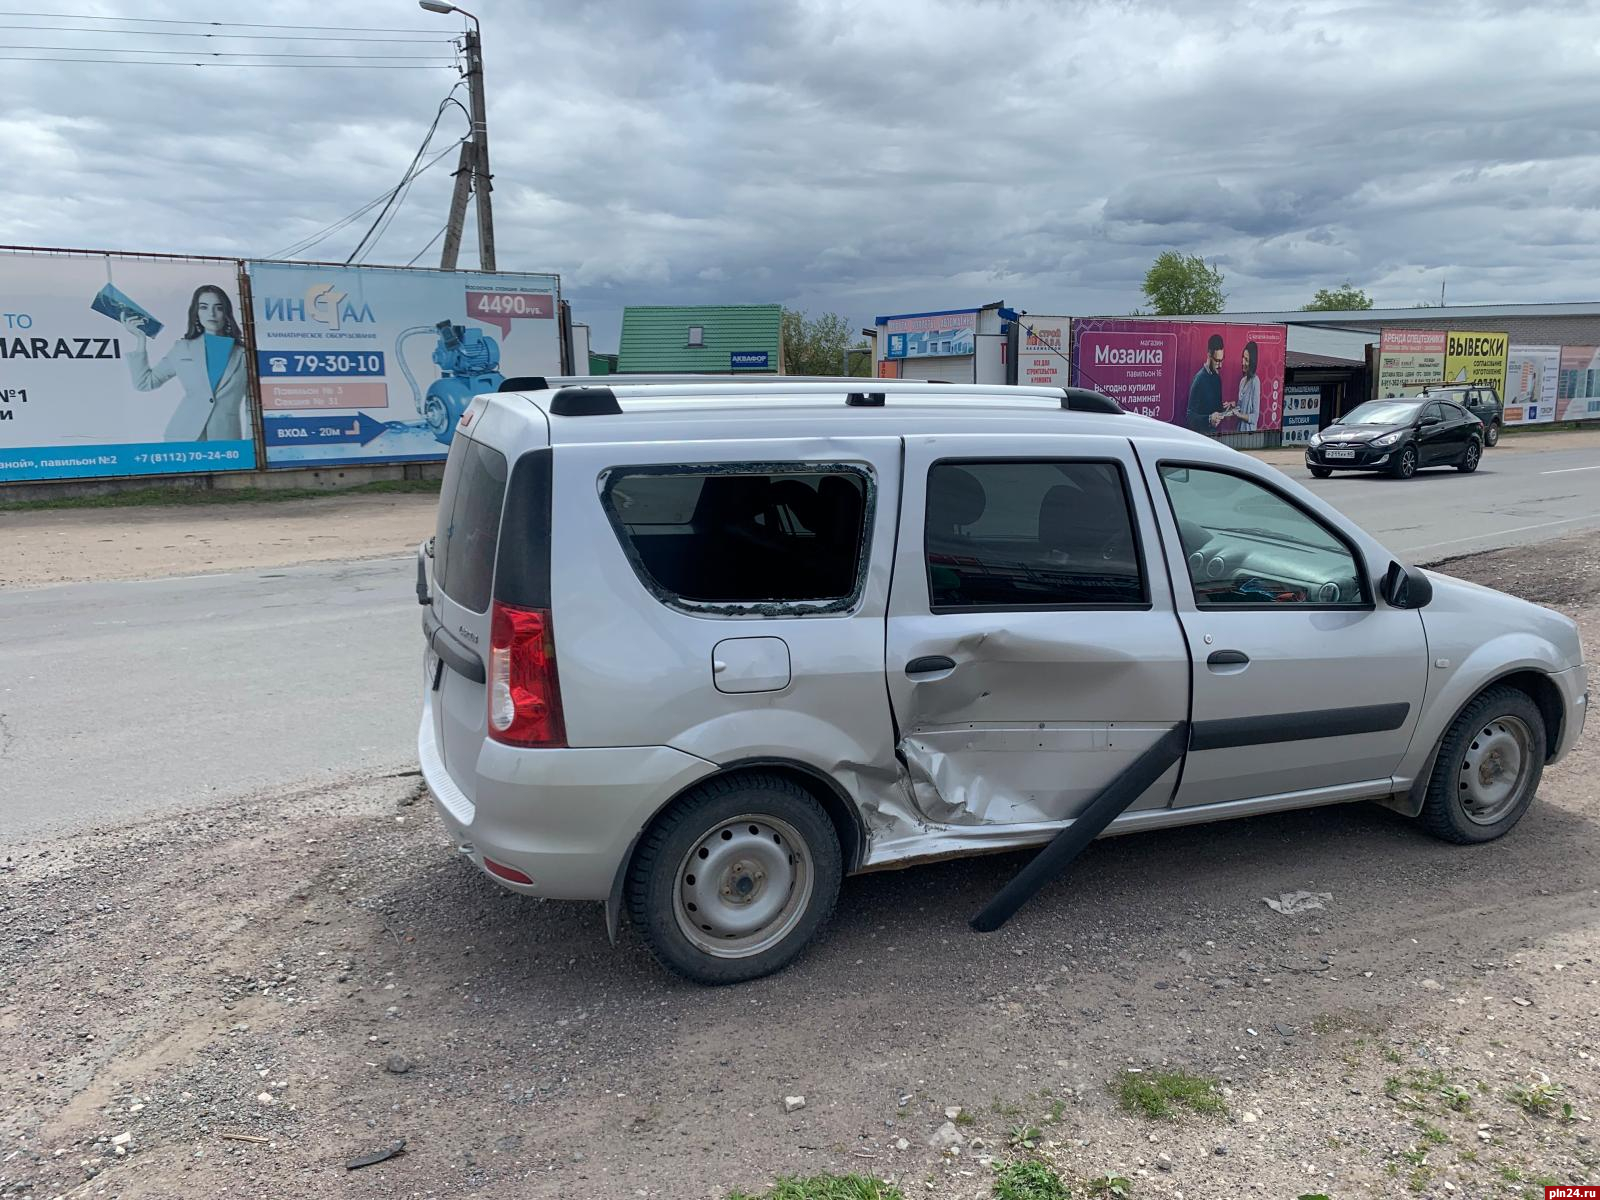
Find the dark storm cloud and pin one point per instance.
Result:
(876, 159)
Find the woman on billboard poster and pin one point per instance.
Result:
(208, 360)
(1244, 414)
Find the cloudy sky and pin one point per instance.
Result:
(863, 158)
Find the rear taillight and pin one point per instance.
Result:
(524, 694)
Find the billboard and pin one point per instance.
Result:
(1302, 413)
(1044, 345)
(1476, 358)
(114, 365)
(931, 335)
(1409, 360)
(1530, 395)
(1578, 385)
(373, 364)
(1213, 378)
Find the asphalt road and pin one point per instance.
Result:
(119, 700)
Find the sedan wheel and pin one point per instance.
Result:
(1406, 465)
(1321, 472)
(1469, 460)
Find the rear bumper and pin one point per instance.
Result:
(1366, 458)
(564, 818)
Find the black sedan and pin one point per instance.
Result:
(1398, 436)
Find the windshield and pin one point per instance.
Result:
(1382, 412)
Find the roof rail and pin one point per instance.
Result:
(1088, 400)
(585, 402)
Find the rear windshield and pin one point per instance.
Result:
(470, 500)
(738, 535)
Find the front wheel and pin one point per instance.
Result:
(1321, 472)
(1406, 465)
(733, 880)
(1469, 458)
(1491, 435)
(1487, 769)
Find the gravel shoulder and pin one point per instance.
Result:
(47, 546)
(316, 972)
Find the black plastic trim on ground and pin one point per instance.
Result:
(1063, 850)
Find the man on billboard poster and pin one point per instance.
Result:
(1205, 393)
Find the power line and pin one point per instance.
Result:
(153, 62)
(211, 24)
(322, 235)
(397, 197)
(228, 53)
(232, 37)
(429, 246)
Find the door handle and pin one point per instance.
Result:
(1227, 658)
(928, 664)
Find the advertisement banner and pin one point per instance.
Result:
(1215, 379)
(1409, 360)
(1043, 347)
(933, 335)
(121, 366)
(1530, 396)
(1477, 358)
(371, 364)
(1302, 414)
(1578, 387)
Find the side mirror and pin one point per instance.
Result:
(1406, 587)
(1430, 419)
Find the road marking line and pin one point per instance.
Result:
(1494, 533)
(1567, 470)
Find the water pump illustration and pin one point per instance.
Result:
(470, 362)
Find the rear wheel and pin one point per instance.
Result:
(1488, 767)
(735, 878)
(1491, 435)
(1469, 458)
(1321, 472)
(1406, 465)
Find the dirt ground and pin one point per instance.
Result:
(46, 546)
(238, 1000)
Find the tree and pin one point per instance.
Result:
(816, 346)
(1344, 298)
(1178, 285)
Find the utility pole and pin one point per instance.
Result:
(473, 168)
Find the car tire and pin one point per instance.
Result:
(1491, 435)
(1469, 797)
(1470, 457)
(773, 878)
(1321, 472)
(1406, 465)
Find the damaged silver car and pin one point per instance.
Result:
(698, 649)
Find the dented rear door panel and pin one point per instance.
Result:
(1039, 709)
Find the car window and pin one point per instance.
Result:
(1245, 545)
(1456, 413)
(1434, 410)
(1028, 534)
(470, 499)
(743, 534)
(1382, 412)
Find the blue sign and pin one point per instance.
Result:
(748, 360)
(125, 458)
(355, 430)
(288, 364)
(897, 345)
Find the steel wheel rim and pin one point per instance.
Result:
(1494, 769)
(743, 886)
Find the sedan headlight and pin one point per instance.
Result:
(1315, 439)
(1389, 439)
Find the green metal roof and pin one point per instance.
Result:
(656, 338)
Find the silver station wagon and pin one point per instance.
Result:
(697, 649)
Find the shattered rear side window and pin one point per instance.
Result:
(732, 537)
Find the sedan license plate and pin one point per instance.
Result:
(1338, 453)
